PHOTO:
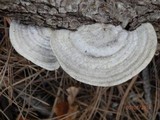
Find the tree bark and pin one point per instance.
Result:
(70, 14)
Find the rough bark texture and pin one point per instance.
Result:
(71, 14)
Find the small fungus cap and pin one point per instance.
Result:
(33, 43)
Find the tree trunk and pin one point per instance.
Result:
(71, 14)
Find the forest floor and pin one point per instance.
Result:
(28, 92)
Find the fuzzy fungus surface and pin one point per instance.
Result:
(33, 43)
(104, 55)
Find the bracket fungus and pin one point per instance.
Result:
(33, 43)
(104, 55)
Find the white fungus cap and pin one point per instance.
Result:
(33, 43)
(104, 55)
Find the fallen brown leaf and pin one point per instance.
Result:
(67, 109)
(61, 108)
(71, 112)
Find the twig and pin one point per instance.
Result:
(157, 92)
(147, 90)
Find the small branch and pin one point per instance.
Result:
(147, 90)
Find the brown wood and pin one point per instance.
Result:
(71, 14)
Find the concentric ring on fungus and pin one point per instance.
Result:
(33, 43)
(104, 55)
